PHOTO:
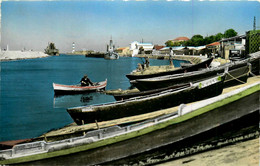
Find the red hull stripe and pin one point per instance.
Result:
(80, 87)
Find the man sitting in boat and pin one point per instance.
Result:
(85, 81)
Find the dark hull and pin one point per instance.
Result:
(171, 136)
(146, 104)
(119, 97)
(95, 55)
(195, 67)
(240, 72)
(255, 66)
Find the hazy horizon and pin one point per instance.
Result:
(90, 24)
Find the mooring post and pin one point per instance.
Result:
(180, 109)
(45, 138)
(97, 124)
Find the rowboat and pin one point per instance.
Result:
(204, 64)
(76, 89)
(237, 72)
(149, 103)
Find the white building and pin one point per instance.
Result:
(135, 46)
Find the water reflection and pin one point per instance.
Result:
(65, 101)
(86, 99)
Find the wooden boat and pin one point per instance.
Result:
(195, 67)
(197, 119)
(149, 103)
(254, 59)
(237, 73)
(76, 89)
(182, 80)
(183, 65)
(125, 96)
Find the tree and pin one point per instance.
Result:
(197, 40)
(209, 39)
(218, 36)
(230, 33)
(169, 43)
(176, 44)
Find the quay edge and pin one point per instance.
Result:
(213, 112)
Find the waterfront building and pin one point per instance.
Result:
(214, 48)
(181, 50)
(125, 51)
(137, 47)
(177, 41)
(233, 46)
(180, 39)
(156, 49)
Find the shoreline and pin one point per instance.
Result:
(20, 55)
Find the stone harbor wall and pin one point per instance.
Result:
(17, 55)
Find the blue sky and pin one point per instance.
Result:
(90, 24)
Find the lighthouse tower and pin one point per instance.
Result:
(73, 47)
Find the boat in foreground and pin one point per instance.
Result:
(60, 89)
(148, 103)
(108, 144)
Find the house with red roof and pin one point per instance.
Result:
(180, 39)
(213, 48)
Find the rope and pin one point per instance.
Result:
(250, 72)
(236, 78)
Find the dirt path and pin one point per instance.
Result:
(240, 154)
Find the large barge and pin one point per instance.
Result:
(108, 144)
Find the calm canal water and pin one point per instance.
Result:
(28, 106)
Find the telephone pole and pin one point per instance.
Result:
(254, 26)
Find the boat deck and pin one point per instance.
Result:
(73, 128)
